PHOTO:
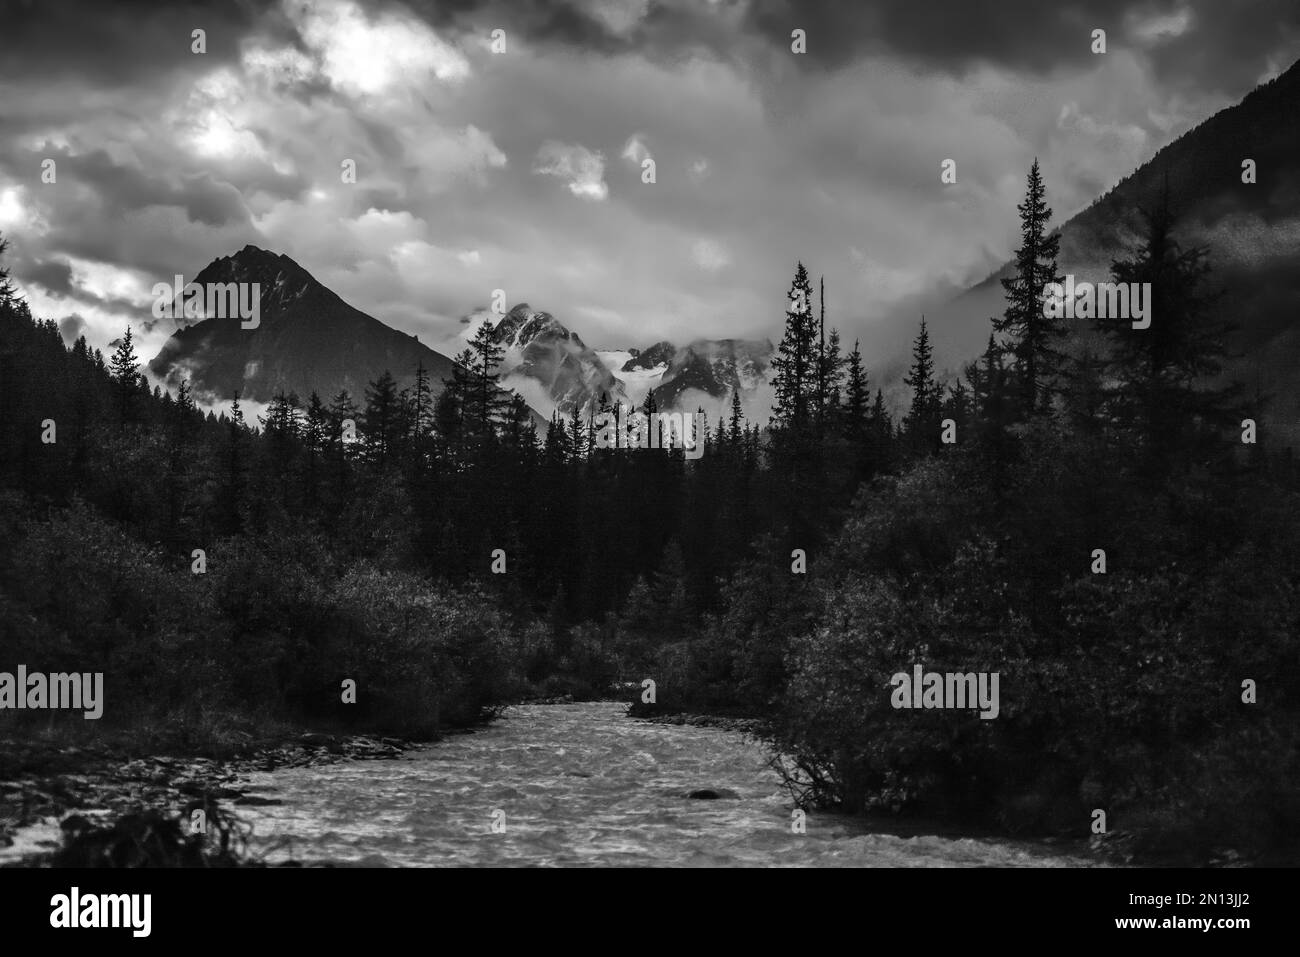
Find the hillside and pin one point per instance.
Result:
(1252, 231)
(308, 340)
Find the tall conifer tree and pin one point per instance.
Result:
(1032, 337)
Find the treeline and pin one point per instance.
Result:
(226, 581)
(607, 554)
(1078, 513)
(1104, 529)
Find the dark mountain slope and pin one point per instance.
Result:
(307, 339)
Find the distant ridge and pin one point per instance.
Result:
(1252, 231)
(308, 340)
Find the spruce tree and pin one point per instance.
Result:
(182, 428)
(957, 404)
(556, 448)
(232, 491)
(125, 370)
(342, 410)
(283, 416)
(282, 427)
(857, 397)
(447, 417)
(381, 422)
(315, 434)
(821, 349)
(737, 418)
(488, 403)
(833, 376)
(880, 417)
(794, 367)
(704, 435)
(577, 436)
(520, 436)
(650, 409)
(459, 392)
(925, 391)
(1163, 375)
(989, 388)
(1032, 336)
(421, 416)
(6, 286)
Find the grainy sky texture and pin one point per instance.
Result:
(521, 170)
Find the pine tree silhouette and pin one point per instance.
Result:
(1032, 337)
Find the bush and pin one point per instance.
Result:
(1120, 691)
(268, 633)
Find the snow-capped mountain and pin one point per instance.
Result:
(638, 372)
(715, 367)
(658, 356)
(307, 340)
(549, 363)
(551, 366)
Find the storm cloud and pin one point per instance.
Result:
(514, 160)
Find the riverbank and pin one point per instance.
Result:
(50, 789)
(581, 785)
(67, 791)
(756, 727)
(1119, 847)
(1115, 848)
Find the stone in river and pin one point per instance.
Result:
(711, 794)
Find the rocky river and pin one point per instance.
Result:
(545, 785)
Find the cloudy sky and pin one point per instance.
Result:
(521, 169)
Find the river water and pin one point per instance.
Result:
(580, 784)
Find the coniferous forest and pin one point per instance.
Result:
(1103, 526)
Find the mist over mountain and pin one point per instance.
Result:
(550, 365)
(310, 339)
(657, 356)
(1252, 231)
(716, 368)
(307, 340)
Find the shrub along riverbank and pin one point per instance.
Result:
(266, 637)
(1161, 691)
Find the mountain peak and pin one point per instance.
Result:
(659, 354)
(716, 367)
(521, 327)
(256, 254)
(280, 280)
(307, 340)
